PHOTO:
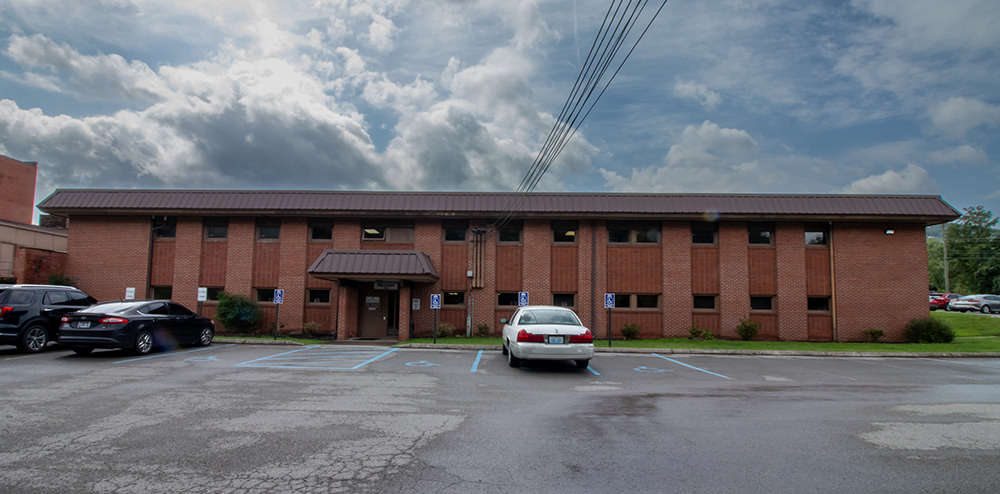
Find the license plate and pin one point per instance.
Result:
(83, 324)
(556, 340)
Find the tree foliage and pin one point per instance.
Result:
(973, 253)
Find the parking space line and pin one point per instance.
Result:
(321, 357)
(593, 371)
(475, 365)
(691, 366)
(158, 355)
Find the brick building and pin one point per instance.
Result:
(28, 253)
(364, 264)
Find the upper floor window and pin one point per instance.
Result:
(637, 234)
(564, 231)
(454, 231)
(164, 226)
(394, 232)
(704, 233)
(816, 234)
(320, 229)
(761, 303)
(761, 233)
(216, 228)
(511, 232)
(268, 228)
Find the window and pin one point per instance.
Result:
(216, 228)
(165, 226)
(320, 229)
(454, 231)
(816, 235)
(618, 236)
(507, 299)
(704, 301)
(703, 233)
(623, 300)
(453, 298)
(761, 233)
(319, 296)
(265, 294)
(56, 298)
(564, 299)
(163, 292)
(373, 233)
(401, 233)
(639, 234)
(268, 229)
(511, 232)
(760, 303)
(564, 231)
(818, 303)
(159, 308)
(213, 292)
(647, 301)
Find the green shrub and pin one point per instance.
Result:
(697, 333)
(310, 329)
(237, 313)
(483, 330)
(748, 328)
(929, 330)
(873, 335)
(631, 331)
(60, 279)
(445, 330)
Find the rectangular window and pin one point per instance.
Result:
(564, 231)
(704, 233)
(704, 301)
(268, 228)
(507, 299)
(647, 301)
(818, 303)
(213, 292)
(373, 233)
(761, 233)
(165, 226)
(387, 232)
(216, 228)
(564, 299)
(162, 292)
(320, 229)
(618, 236)
(632, 233)
(815, 236)
(454, 231)
(623, 300)
(761, 303)
(265, 294)
(453, 298)
(647, 235)
(319, 296)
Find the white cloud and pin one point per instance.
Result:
(959, 154)
(697, 92)
(911, 180)
(956, 116)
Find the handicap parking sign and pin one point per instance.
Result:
(279, 296)
(609, 301)
(522, 298)
(435, 301)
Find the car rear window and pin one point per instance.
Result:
(17, 297)
(109, 308)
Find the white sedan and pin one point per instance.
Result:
(538, 332)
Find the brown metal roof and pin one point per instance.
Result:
(410, 265)
(922, 208)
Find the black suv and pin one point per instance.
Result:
(30, 314)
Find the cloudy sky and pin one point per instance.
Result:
(787, 96)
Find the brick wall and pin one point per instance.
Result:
(108, 254)
(36, 265)
(17, 190)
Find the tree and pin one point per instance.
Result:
(974, 252)
(935, 265)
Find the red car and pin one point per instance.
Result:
(941, 300)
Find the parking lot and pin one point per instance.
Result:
(333, 418)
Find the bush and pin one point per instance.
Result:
(60, 279)
(237, 313)
(929, 330)
(445, 330)
(631, 331)
(310, 329)
(748, 328)
(697, 333)
(873, 334)
(483, 330)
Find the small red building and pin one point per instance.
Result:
(364, 264)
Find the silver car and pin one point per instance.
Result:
(982, 302)
(539, 332)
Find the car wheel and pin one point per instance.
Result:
(503, 349)
(83, 350)
(143, 342)
(206, 336)
(34, 339)
(512, 360)
(582, 364)
(985, 309)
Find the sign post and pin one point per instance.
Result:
(435, 306)
(279, 298)
(609, 303)
(202, 297)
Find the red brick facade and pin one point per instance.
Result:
(17, 190)
(869, 279)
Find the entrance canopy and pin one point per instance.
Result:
(371, 265)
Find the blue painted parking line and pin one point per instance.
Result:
(158, 355)
(593, 371)
(321, 357)
(475, 365)
(691, 366)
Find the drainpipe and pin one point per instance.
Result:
(833, 282)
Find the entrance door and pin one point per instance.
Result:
(379, 312)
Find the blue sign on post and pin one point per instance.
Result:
(522, 299)
(435, 301)
(279, 296)
(609, 301)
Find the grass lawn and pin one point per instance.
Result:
(974, 333)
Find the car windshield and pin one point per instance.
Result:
(109, 308)
(545, 316)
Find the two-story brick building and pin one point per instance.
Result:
(364, 264)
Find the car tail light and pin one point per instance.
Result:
(525, 337)
(4, 310)
(586, 337)
(64, 319)
(113, 320)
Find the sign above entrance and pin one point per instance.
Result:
(387, 285)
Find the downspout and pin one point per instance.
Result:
(833, 283)
(593, 272)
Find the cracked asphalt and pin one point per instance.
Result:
(255, 419)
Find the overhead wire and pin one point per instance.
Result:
(616, 27)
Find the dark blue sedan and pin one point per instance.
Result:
(140, 326)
